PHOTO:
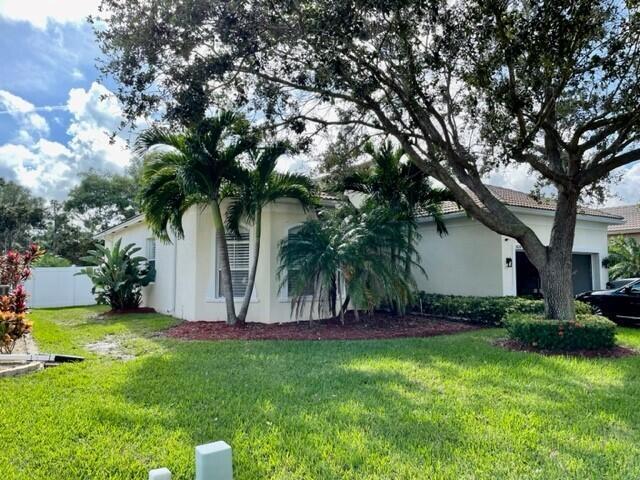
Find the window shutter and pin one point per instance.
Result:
(239, 257)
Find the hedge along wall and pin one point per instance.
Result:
(486, 310)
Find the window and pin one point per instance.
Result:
(635, 288)
(291, 274)
(151, 252)
(238, 248)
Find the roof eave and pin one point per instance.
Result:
(536, 211)
(121, 226)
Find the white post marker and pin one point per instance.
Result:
(213, 461)
(160, 474)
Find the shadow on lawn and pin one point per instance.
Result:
(453, 406)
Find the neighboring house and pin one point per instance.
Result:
(474, 260)
(470, 260)
(631, 225)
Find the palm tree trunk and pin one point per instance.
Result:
(407, 259)
(226, 284)
(340, 300)
(252, 271)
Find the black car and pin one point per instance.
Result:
(620, 282)
(618, 303)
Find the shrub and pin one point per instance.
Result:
(52, 260)
(118, 275)
(12, 327)
(587, 332)
(486, 310)
(15, 268)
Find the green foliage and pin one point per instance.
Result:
(102, 200)
(397, 182)
(358, 245)
(588, 332)
(549, 85)
(20, 214)
(624, 258)
(486, 310)
(64, 237)
(189, 167)
(117, 275)
(51, 260)
(252, 188)
(448, 408)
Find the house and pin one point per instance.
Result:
(474, 260)
(470, 260)
(631, 225)
(187, 283)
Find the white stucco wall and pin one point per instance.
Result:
(268, 304)
(159, 294)
(467, 261)
(471, 260)
(193, 261)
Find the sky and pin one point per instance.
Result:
(56, 117)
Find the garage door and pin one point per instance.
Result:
(582, 275)
(528, 280)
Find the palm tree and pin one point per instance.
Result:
(189, 168)
(624, 258)
(254, 189)
(401, 185)
(356, 246)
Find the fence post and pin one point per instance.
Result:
(214, 462)
(160, 474)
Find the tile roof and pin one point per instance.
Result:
(327, 196)
(631, 215)
(514, 198)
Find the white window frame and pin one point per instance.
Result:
(284, 292)
(151, 258)
(213, 294)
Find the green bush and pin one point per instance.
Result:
(486, 310)
(118, 275)
(587, 332)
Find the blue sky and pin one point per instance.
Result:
(53, 120)
(54, 123)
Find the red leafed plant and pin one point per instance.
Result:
(15, 268)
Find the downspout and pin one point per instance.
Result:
(175, 276)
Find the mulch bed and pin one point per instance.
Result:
(615, 352)
(129, 311)
(383, 326)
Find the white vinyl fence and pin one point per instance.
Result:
(58, 287)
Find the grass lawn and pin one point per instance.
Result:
(452, 407)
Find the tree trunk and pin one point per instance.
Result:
(226, 284)
(341, 306)
(556, 274)
(407, 260)
(252, 271)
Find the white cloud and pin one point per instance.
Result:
(76, 74)
(39, 167)
(40, 12)
(51, 168)
(96, 113)
(626, 191)
(518, 177)
(24, 113)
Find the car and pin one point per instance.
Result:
(622, 303)
(620, 282)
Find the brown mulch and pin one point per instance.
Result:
(615, 352)
(129, 311)
(383, 326)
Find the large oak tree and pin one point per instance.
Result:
(463, 86)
